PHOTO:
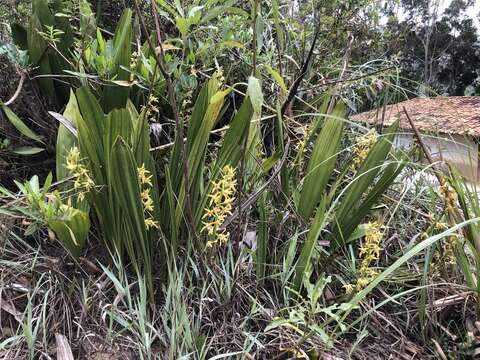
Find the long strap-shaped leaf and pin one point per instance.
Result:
(20, 125)
(230, 152)
(346, 226)
(126, 189)
(90, 132)
(352, 209)
(72, 232)
(197, 153)
(322, 162)
(309, 246)
(115, 96)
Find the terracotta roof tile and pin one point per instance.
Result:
(449, 115)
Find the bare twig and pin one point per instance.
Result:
(337, 81)
(298, 80)
(345, 60)
(19, 89)
(440, 178)
(254, 38)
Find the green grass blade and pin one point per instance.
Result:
(309, 246)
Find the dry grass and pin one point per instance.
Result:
(81, 303)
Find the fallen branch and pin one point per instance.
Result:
(19, 89)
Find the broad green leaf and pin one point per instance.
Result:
(167, 7)
(102, 46)
(72, 231)
(276, 76)
(219, 10)
(117, 123)
(90, 129)
(275, 323)
(278, 27)
(197, 152)
(65, 139)
(38, 55)
(182, 25)
(254, 91)
(232, 44)
(230, 151)
(178, 6)
(259, 28)
(351, 209)
(219, 96)
(20, 125)
(27, 150)
(87, 19)
(125, 188)
(40, 8)
(36, 44)
(116, 96)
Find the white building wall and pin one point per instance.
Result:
(458, 150)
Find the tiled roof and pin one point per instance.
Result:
(448, 115)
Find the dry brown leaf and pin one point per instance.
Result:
(8, 307)
(90, 265)
(166, 47)
(64, 352)
(6, 332)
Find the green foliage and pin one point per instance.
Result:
(114, 174)
(49, 42)
(322, 162)
(20, 125)
(113, 148)
(25, 131)
(70, 225)
(65, 139)
(298, 198)
(14, 54)
(360, 195)
(441, 56)
(118, 63)
(303, 316)
(465, 249)
(343, 207)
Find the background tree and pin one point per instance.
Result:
(438, 53)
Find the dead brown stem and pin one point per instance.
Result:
(19, 89)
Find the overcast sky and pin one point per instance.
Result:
(472, 11)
